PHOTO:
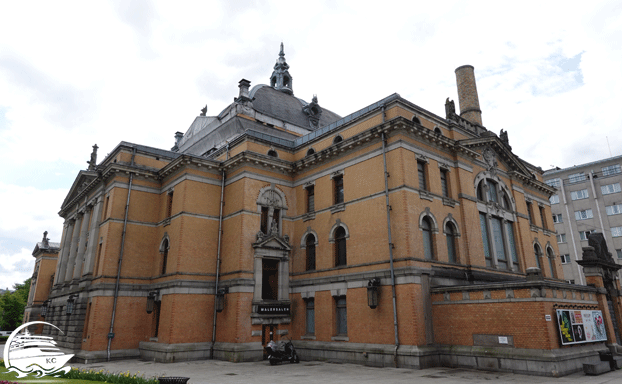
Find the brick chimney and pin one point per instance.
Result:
(467, 94)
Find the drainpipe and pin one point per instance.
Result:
(386, 193)
(116, 287)
(222, 203)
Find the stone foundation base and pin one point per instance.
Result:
(87, 357)
(171, 353)
(555, 363)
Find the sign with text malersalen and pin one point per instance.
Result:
(577, 327)
(273, 309)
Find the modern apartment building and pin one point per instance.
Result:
(588, 199)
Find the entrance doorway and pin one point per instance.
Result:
(267, 333)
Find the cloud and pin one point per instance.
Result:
(16, 267)
(29, 212)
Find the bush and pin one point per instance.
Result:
(114, 378)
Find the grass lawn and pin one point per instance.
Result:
(12, 377)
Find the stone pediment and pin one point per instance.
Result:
(272, 242)
(501, 152)
(83, 179)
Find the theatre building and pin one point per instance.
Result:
(390, 236)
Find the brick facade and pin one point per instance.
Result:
(174, 215)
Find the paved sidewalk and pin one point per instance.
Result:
(215, 371)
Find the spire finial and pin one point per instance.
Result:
(281, 79)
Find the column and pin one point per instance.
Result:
(77, 269)
(64, 253)
(67, 273)
(91, 250)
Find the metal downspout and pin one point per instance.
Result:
(386, 192)
(116, 287)
(222, 203)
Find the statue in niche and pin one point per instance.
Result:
(274, 228)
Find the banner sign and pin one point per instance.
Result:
(577, 327)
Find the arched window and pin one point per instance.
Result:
(416, 120)
(337, 139)
(428, 249)
(450, 234)
(271, 204)
(497, 224)
(164, 250)
(272, 153)
(310, 152)
(537, 253)
(310, 247)
(438, 131)
(551, 257)
(340, 247)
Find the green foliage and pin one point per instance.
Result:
(114, 378)
(12, 306)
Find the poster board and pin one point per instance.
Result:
(577, 327)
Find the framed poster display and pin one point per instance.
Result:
(576, 327)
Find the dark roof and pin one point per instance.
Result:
(280, 105)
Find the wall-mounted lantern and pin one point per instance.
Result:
(151, 298)
(70, 304)
(220, 299)
(44, 308)
(372, 292)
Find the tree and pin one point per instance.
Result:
(12, 305)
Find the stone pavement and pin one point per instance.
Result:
(216, 371)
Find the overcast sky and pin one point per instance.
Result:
(73, 74)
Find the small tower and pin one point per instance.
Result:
(281, 79)
(467, 94)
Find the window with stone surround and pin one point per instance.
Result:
(341, 313)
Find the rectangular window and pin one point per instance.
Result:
(484, 229)
(529, 213)
(264, 219)
(614, 210)
(584, 214)
(510, 232)
(338, 183)
(570, 281)
(557, 218)
(554, 199)
(541, 209)
(310, 317)
(423, 185)
(444, 185)
(616, 231)
(169, 204)
(310, 198)
(578, 195)
(270, 279)
(619, 252)
(497, 233)
(584, 234)
(342, 316)
(561, 238)
(565, 259)
(554, 182)
(609, 189)
(577, 177)
(611, 170)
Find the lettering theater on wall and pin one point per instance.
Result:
(391, 236)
